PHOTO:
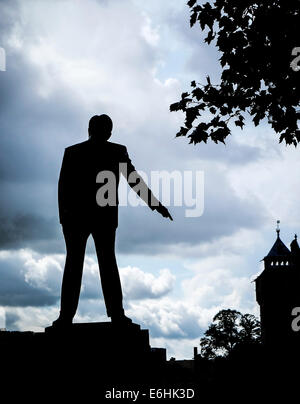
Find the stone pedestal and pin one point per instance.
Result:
(87, 357)
(105, 341)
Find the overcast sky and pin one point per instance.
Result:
(69, 60)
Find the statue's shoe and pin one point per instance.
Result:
(60, 324)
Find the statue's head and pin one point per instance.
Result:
(100, 128)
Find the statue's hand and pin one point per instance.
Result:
(164, 211)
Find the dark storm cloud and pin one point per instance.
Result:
(22, 231)
(11, 320)
(224, 214)
(35, 130)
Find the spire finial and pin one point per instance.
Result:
(278, 228)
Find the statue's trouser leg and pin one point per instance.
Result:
(75, 239)
(109, 273)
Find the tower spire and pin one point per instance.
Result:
(278, 228)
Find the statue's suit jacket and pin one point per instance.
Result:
(77, 186)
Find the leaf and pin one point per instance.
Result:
(257, 119)
(183, 131)
(218, 135)
(193, 18)
(253, 79)
(215, 121)
(239, 123)
(191, 115)
(174, 107)
(190, 3)
(198, 136)
(198, 93)
(210, 37)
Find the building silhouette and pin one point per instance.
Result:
(278, 294)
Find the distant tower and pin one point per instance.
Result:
(278, 293)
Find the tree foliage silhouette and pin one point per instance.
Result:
(229, 328)
(257, 40)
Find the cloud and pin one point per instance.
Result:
(56, 79)
(224, 214)
(32, 279)
(67, 61)
(219, 288)
(11, 320)
(29, 319)
(22, 230)
(137, 284)
(22, 273)
(167, 318)
(176, 317)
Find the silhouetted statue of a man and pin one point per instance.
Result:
(82, 213)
